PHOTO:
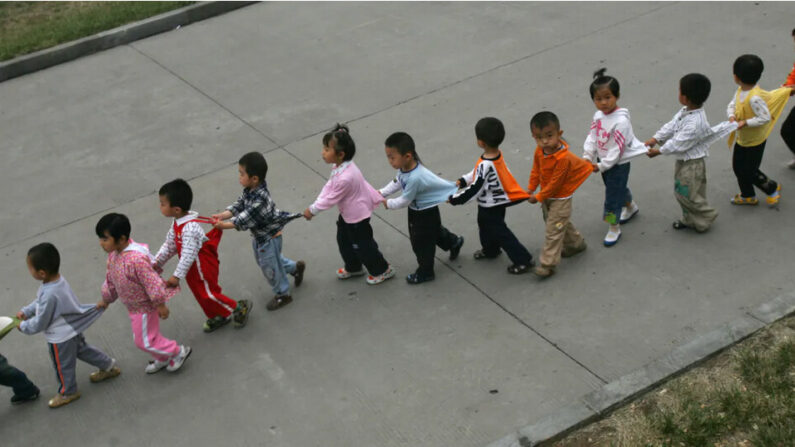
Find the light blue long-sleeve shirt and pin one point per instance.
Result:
(421, 188)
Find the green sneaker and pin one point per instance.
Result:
(240, 315)
(215, 323)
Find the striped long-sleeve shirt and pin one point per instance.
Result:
(193, 237)
(686, 135)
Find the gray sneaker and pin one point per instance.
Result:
(176, 362)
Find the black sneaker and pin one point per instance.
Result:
(215, 323)
(300, 266)
(456, 248)
(240, 315)
(416, 278)
(16, 399)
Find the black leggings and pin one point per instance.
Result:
(788, 130)
(745, 163)
(426, 233)
(357, 247)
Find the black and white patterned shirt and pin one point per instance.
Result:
(255, 211)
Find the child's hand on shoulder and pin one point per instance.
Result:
(162, 311)
(172, 282)
(307, 214)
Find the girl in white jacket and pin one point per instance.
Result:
(609, 146)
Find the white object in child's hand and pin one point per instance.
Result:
(5, 321)
(7, 324)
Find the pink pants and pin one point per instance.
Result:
(146, 333)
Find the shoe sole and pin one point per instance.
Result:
(190, 351)
(156, 370)
(623, 221)
(26, 399)
(208, 330)
(249, 306)
(611, 243)
(62, 403)
(350, 275)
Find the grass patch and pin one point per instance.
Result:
(26, 27)
(744, 397)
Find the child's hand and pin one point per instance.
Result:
(595, 167)
(163, 311)
(307, 214)
(458, 183)
(172, 282)
(741, 124)
(102, 304)
(532, 199)
(651, 142)
(652, 152)
(732, 119)
(21, 316)
(385, 207)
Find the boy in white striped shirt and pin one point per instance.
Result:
(198, 258)
(688, 136)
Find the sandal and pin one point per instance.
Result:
(518, 269)
(480, 254)
(679, 225)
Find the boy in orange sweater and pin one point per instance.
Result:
(559, 173)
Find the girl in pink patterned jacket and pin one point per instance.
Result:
(356, 199)
(132, 278)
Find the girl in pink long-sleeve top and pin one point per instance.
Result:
(356, 199)
(131, 278)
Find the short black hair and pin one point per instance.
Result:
(45, 257)
(748, 68)
(601, 80)
(543, 119)
(695, 87)
(255, 165)
(403, 143)
(343, 142)
(178, 193)
(115, 225)
(490, 131)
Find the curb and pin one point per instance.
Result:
(122, 35)
(599, 403)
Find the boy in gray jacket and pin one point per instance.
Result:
(63, 319)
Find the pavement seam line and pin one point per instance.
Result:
(481, 291)
(215, 101)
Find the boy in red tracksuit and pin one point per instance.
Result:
(198, 258)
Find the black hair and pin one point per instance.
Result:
(115, 225)
(45, 257)
(343, 142)
(543, 119)
(403, 143)
(695, 87)
(490, 131)
(178, 193)
(748, 68)
(255, 165)
(600, 80)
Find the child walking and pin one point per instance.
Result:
(788, 127)
(131, 278)
(496, 189)
(255, 211)
(198, 258)
(422, 191)
(63, 319)
(688, 137)
(755, 111)
(356, 199)
(610, 145)
(559, 173)
(24, 389)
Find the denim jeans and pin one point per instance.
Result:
(274, 265)
(616, 192)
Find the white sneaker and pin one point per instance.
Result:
(344, 274)
(628, 213)
(156, 365)
(176, 362)
(372, 280)
(612, 236)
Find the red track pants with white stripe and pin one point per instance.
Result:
(202, 279)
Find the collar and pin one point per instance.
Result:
(249, 191)
(187, 218)
(140, 248)
(499, 155)
(688, 112)
(341, 167)
(412, 169)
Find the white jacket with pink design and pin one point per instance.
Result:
(612, 140)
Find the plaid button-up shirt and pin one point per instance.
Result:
(255, 211)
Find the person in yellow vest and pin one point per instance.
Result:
(755, 111)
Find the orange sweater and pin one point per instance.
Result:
(559, 174)
(791, 78)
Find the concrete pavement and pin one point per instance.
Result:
(460, 361)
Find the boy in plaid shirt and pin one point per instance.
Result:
(255, 211)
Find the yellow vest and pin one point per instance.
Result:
(775, 100)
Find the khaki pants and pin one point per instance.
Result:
(690, 190)
(560, 232)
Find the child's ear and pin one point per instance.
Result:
(560, 133)
(122, 239)
(481, 144)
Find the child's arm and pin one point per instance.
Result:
(589, 148)
(665, 132)
(40, 320)
(192, 240)
(152, 283)
(390, 188)
(535, 177)
(109, 294)
(27, 311)
(466, 179)
(473, 188)
(223, 216)
(684, 140)
(615, 146)
(331, 194)
(559, 175)
(730, 110)
(412, 188)
(166, 251)
(762, 112)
